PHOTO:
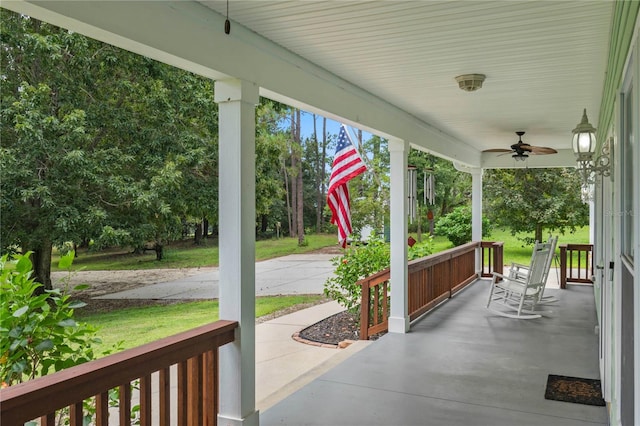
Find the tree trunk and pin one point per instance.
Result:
(294, 178)
(159, 249)
(264, 223)
(299, 185)
(323, 171)
(286, 191)
(197, 235)
(316, 179)
(538, 232)
(294, 197)
(41, 259)
(205, 227)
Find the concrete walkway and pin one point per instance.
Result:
(284, 365)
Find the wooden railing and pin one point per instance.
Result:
(194, 352)
(432, 279)
(576, 264)
(492, 257)
(374, 308)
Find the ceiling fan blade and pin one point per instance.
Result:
(497, 150)
(542, 150)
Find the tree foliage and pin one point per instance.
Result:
(456, 226)
(530, 200)
(98, 144)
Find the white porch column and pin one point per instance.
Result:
(236, 128)
(476, 212)
(399, 315)
(476, 204)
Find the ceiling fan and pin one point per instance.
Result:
(522, 150)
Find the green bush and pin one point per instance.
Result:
(38, 333)
(422, 249)
(359, 262)
(456, 226)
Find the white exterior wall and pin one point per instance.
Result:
(608, 238)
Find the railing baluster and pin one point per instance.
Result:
(125, 404)
(182, 393)
(364, 311)
(376, 305)
(164, 403)
(102, 409)
(48, 420)
(194, 391)
(145, 400)
(385, 301)
(209, 389)
(76, 417)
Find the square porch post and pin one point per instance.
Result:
(476, 213)
(399, 315)
(236, 200)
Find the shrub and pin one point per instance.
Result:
(38, 333)
(456, 226)
(422, 249)
(358, 262)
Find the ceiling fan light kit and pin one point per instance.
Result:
(470, 82)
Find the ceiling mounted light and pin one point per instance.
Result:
(470, 82)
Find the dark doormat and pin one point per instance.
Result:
(574, 389)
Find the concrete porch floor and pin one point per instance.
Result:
(460, 365)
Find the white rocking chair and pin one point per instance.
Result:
(521, 271)
(518, 297)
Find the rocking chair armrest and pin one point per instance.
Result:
(511, 279)
(519, 266)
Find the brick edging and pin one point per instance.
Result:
(297, 338)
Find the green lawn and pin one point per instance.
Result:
(136, 326)
(516, 250)
(185, 255)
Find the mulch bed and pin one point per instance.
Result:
(574, 389)
(335, 329)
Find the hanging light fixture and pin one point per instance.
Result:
(584, 147)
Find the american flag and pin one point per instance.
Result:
(347, 164)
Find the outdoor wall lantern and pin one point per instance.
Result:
(584, 147)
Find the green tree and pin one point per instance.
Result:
(370, 191)
(98, 143)
(531, 200)
(50, 172)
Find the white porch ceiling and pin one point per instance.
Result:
(386, 66)
(544, 60)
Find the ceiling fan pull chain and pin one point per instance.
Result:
(227, 23)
